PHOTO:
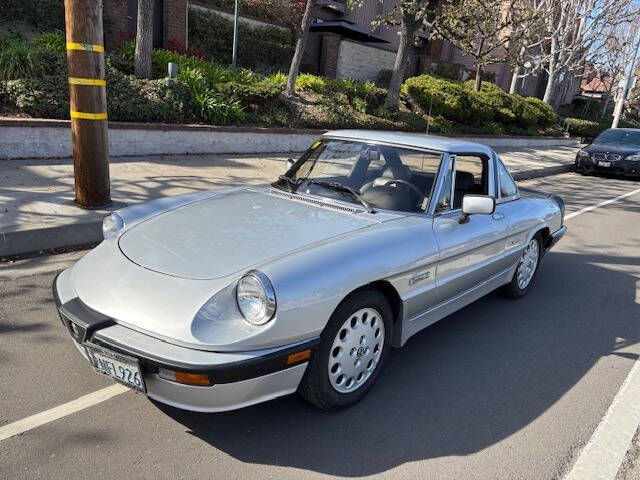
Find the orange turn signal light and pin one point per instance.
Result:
(186, 378)
(299, 356)
(192, 378)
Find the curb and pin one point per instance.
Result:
(78, 236)
(543, 172)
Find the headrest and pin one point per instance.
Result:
(464, 181)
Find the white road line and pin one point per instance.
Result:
(601, 204)
(602, 456)
(60, 411)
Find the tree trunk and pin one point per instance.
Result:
(605, 103)
(144, 39)
(551, 80)
(301, 45)
(513, 88)
(403, 58)
(478, 78)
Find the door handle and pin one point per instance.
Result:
(497, 216)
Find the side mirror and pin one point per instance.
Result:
(477, 204)
(288, 164)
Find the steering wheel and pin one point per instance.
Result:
(404, 182)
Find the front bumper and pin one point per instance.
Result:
(555, 237)
(622, 167)
(238, 379)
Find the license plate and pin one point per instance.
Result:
(604, 164)
(121, 368)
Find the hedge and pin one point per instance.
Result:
(262, 49)
(583, 128)
(459, 102)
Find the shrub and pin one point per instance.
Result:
(131, 99)
(209, 104)
(39, 97)
(307, 82)
(19, 59)
(383, 78)
(51, 42)
(446, 70)
(545, 116)
(262, 49)
(43, 15)
(256, 93)
(495, 128)
(446, 98)
(583, 128)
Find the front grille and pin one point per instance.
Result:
(610, 157)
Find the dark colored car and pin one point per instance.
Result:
(615, 151)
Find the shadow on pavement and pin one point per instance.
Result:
(458, 387)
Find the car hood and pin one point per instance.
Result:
(233, 232)
(613, 148)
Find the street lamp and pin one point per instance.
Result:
(234, 56)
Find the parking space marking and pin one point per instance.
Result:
(26, 424)
(604, 453)
(601, 204)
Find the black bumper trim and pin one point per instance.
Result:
(219, 374)
(86, 322)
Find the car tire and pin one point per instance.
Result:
(525, 271)
(365, 314)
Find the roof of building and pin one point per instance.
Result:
(346, 29)
(416, 140)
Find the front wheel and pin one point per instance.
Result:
(527, 269)
(353, 349)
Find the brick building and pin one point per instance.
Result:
(170, 22)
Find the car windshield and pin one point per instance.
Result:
(374, 176)
(619, 136)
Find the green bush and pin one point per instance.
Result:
(51, 42)
(583, 128)
(308, 82)
(545, 116)
(256, 93)
(19, 59)
(449, 99)
(43, 15)
(262, 49)
(209, 104)
(383, 78)
(38, 97)
(446, 70)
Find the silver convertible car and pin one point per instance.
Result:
(220, 299)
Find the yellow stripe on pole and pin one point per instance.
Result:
(85, 46)
(89, 116)
(94, 82)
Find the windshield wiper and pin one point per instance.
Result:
(290, 182)
(343, 188)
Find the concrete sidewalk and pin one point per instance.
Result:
(36, 196)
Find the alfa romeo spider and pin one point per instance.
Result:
(220, 299)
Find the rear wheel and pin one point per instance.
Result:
(353, 349)
(527, 269)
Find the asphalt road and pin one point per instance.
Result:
(502, 389)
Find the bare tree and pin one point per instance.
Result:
(526, 45)
(481, 28)
(144, 39)
(576, 29)
(301, 45)
(611, 58)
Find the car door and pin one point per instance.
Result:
(471, 252)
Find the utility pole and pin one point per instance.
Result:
(88, 96)
(627, 84)
(234, 55)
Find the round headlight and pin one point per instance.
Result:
(256, 298)
(112, 225)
